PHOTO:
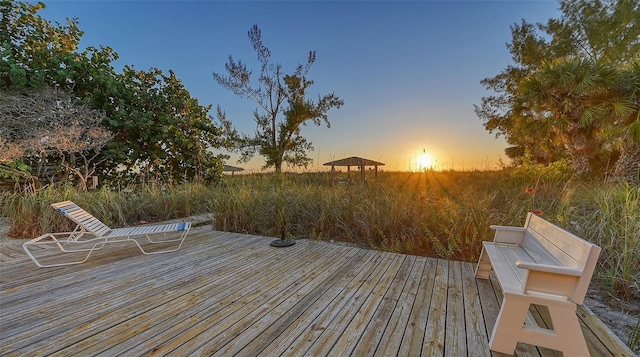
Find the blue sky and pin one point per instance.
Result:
(409, 72)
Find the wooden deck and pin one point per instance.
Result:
(229, 294)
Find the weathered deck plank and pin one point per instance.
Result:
(375, 312)
(267, 331)
(307, 326)
(215, 288)
(476, 332)
(413, 339)
(232, 294)
(335, 327)
(455, 335)
(436, 322)
(392, 334)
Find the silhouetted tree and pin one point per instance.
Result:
(277, 138)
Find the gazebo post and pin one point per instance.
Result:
(333, 175)
(375, 175)
(362, 171)
(348, 173)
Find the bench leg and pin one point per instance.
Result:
(566, 335)
(509, 324)
(483, 268)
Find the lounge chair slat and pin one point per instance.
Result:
(82, 217)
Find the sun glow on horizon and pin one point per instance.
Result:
(425, 161)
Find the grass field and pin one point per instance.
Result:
(442, 214)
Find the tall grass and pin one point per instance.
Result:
(442, 214)
(31, 214)
(610, 217)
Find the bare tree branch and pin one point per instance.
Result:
(48, 123)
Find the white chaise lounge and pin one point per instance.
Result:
(91, 234)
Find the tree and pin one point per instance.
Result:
(159, 128)
(157, 125)
(279, 141)
(579, 102)
(50, 128)
(37, 53)
(578, 55)
(627, 167)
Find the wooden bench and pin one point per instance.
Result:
(540, 264)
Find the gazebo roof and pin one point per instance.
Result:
(232, 168)
(354, 161)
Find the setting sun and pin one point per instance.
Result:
(425, 161)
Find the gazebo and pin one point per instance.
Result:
(354, 161)
(232, 169)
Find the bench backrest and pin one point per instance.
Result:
(81, 217)
(566, 248)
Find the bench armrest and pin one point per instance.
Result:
(546, 268)
(550, 279)
(508, 234)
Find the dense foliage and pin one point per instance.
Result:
(279, 141)
(161, 130)
(158, 129)
(573, 90)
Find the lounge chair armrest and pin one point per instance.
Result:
(546, 268)
(50, 235)
(56, 236)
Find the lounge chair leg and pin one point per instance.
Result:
(180, 239)
(25, 247)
